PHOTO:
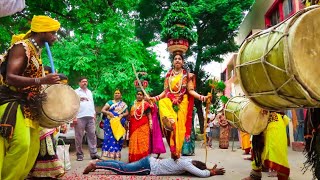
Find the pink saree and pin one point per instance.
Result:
(157, 145)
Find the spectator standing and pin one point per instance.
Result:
(85, 121)
(224, 132)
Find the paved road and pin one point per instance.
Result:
(232, 161)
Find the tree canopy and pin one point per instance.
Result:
(96, 40)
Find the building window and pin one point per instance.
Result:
(223, 76)
(280, 10)
(230, 71)
(287, 8)
(275, 17)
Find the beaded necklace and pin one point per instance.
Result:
(136, 107)
(172, 74)
(35, 44)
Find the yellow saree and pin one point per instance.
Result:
(179, 118)
(275, 152)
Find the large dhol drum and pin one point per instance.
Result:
(61, 106)
(278, 67)
(245, 115)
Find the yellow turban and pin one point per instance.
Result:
(38, 24)
(44, 24)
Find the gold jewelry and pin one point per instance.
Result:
(180, 83)
(136, 107)
(176, 72)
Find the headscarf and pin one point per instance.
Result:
(38, 24)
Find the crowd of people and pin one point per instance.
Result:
(23, 77)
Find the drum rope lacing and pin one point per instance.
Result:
(236, 120)
(234, 115)
(263, 62)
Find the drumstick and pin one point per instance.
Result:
(50, 57)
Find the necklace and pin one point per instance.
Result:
(136, 107)
(35, 44)
(176, 72)
(170, 80)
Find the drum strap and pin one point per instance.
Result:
(14, 99)
(8, 120)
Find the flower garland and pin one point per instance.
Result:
(136, 107)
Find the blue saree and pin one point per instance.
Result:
(111, 148)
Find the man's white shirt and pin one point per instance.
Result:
(86, 107)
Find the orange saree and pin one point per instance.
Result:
(139, 131)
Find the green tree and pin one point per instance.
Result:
(216, 23)
(96, 40)
(178, 24)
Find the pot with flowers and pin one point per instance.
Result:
(177, 28)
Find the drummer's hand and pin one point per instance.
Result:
(50, 79)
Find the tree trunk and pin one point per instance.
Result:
(198, 105)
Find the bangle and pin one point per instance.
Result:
(37, 81)
(157, 98)
(201, 98)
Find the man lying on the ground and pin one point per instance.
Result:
(151, 166)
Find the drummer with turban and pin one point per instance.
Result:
(21, 82)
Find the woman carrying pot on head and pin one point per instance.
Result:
(175, 110)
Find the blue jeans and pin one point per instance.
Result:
(141, 167)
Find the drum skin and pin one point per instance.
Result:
(61, 106)
(246, 116)
(278, 67)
